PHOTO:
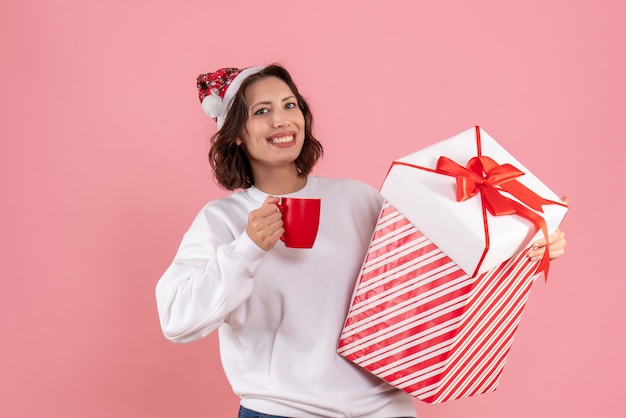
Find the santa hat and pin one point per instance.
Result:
(217, 89)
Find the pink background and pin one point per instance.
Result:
(103, 167)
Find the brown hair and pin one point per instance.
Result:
(231, 167)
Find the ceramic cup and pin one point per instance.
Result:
(301, 218)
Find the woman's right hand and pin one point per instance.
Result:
(265, 224)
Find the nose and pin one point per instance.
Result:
(280, 120)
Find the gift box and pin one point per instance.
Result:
(439, 327)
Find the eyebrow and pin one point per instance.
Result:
(268, 102)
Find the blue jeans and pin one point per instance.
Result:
(248, 413)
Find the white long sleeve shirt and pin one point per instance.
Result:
(280, 312)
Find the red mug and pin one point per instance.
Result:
(301, 218)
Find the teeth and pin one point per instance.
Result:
(282, 139)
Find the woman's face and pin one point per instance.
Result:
(274, 134)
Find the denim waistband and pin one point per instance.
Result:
(248, 413)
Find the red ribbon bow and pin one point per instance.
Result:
(484, 175)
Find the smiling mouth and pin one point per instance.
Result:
(281, 139)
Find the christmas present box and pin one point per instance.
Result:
(419, 319)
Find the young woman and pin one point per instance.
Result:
(279, 311)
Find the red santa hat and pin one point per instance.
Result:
(217, 89)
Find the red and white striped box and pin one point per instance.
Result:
(446, 277)
(419, 322)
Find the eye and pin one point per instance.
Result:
(291, 105)
(262, 111)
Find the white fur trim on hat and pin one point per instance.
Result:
(230, 93)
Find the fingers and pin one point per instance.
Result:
(265, 224)
(557, 246)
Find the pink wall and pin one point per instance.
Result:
(102, 148)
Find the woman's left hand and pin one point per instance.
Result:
(557, 246)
